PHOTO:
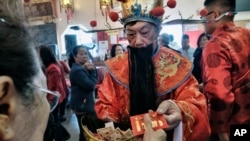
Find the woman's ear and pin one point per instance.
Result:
(7, 107)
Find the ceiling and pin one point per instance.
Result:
(87, 10)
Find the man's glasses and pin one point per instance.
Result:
(209, 13)
(204, 20)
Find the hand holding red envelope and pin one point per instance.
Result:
(137, 123)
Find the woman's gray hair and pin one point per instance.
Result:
(18, 58)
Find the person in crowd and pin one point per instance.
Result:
(164, 41)
(116, 49)
(201, 42)
(83, 78)
(186, 50)
(71, 60)
(107, 55)
(172, 44)
(226, 75)
(150, 76)
(24, 108)
(66, 84)
(55, 82)
(54, 75)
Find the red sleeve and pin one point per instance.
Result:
(107, 104)
(53, 78)
(217, 85)
(193, 106)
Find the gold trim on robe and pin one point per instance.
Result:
(171, 69)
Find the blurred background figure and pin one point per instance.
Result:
(66, 84)
(185, 49)
(116, 49)
(55, 82)
(107, 55)
(83, 78)
(201, 42)
(164, 41)
(24, 108)
(71, 60)
(172, 44)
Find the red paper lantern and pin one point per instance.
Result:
(171, 3)
(203, 12)
(157, 11)
(113, 16)
(93, 23)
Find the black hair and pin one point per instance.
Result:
(171, 37)
(200, 37)
(18, 58)
(185, 36)
(47, 56)
(76, 48)
(164, 39)
(112, 52)
(228, 5)
(71, 59)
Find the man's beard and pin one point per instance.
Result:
(141, 80)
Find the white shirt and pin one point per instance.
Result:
(188, 53)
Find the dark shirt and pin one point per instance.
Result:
(197, 65)
(82, 87)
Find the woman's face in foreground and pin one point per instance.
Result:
(25, 120)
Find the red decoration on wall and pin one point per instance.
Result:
(203, 12)
(93, 23)
(157, 11)
(114, 16)
(171, 3)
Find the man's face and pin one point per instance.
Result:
(141, 34)
(210, 26)
(185, 43)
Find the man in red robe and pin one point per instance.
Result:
(226, 68)
(152, 77)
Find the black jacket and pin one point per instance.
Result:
(83, 83)
(197, 65)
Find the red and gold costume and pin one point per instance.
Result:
(226, 71)
(174, 81)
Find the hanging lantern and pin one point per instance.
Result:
(93, 23)
(157, 11)
(171, 3)
(203, 12)
(114, 16)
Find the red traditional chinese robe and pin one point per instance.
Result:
(174, 81)
(226, 71)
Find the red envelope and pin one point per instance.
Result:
(137, 122)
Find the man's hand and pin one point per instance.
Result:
(171, 112)
(150, 134)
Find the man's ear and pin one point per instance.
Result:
(7, 107)
(216, 14)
